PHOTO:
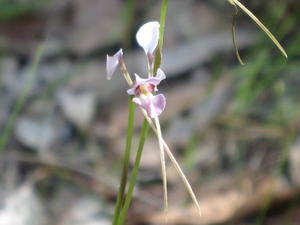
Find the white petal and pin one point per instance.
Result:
(147, 36)
(160, 74)
(112, 63)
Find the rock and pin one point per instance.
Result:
(84, 211)
(207, 154)
(49, 73)
(39, 133)
(21, 35)
(96, 23)
(92, 76)
(187, 20)
(175, 61)
(201, 114)
(8, 83)
(294, 160)
(23, 207)
(75, 26)
(8, 71)
(79, 108)
(150, 159)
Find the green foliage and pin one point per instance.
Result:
(12, 9)
(5, 135)
(264, 71)
(123, 181)
(123, 212)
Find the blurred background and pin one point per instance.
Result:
(234, 129)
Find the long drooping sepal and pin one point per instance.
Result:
(175, 163)
(163, 164)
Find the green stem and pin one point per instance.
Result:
(21, 99)
(129, 16)
(158, 53)
(132, 182)
(163, 14)
(120, 197)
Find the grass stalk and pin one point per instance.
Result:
(158, 54)
(123, 181)
(163, 13)
(134, 174)
(260, 24)
(233, 26)
(22, 98)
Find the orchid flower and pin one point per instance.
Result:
(145, 95)
(143, 91)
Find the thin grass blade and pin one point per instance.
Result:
(158, 53)
(22, 97)
(233, 26)
(260, 24)
(134, 174)
(122, 187)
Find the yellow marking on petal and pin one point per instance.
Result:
(145, 89)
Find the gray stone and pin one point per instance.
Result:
(22, 207)
(189, 19)
(294, 159)
(201, 114)
(96, 23)
(84, 211)
(79, 108)
(40, 133)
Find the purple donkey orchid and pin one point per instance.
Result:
(143, 91)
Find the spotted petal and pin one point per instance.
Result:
(154, 105)
(112, 63)
(147, 36)
(152, 80)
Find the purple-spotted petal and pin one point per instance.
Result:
(152, 80)
(154, 105)
(137, 82)
(147, 36)
(159, 103)
(160, 75)
(112, 63)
